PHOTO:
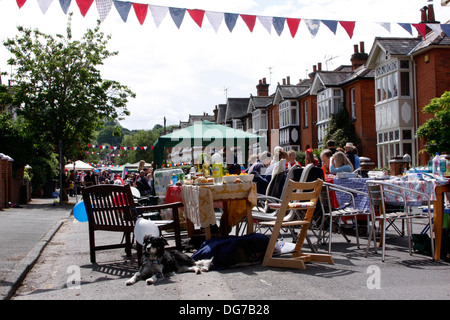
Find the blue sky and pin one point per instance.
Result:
(177, 72)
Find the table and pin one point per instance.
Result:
(438, 214)
(238, 200)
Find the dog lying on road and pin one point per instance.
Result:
(158, 262)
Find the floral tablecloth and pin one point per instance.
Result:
(413, 199)
(199, 201)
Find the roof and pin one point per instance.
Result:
(236, 108)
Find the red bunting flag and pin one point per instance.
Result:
(421, 28)
(293, 25)
(197, 15)
(349, 26)
(249, 21)
(141, 11)
(84, 6)
(20, 3)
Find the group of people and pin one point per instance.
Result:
(339, 159)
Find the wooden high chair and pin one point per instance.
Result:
(297, 196)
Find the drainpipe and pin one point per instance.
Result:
(416, 141)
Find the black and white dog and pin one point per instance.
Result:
(158, 262)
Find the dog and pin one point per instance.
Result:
(158, 262)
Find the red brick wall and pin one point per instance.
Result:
(433, 79)
(365, 115)
(309, 133)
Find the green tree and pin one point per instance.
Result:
(436, 130)
(341, 130)
(59, 90)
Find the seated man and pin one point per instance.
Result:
(142, 184)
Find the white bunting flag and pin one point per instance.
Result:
(44, 4)
(103, 8)
(215, 19)
(158, 13)
(313, 26)
(266, 22)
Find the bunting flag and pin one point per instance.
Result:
(44, 4)
(293, 25)
(65, 4)
(215, 18)
(249, 21)
(84, 6)
(349, 26)
(103, 8)
(197, 15)
(158, 13)
(421, 28)
(313, 26)
(141, 11)
(177, 15)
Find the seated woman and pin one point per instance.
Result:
(340, 163)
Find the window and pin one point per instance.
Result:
(305, 117)
(329, 102)
(288, 112)
(404, 83)
(353, 103)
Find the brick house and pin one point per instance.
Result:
(409, 72)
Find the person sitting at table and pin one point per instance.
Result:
(291, 161)
(349, 152)
(340, 163)
(310, 158)
(278, 162)
(142, 184)
(325, 156)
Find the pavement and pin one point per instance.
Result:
(45, 256)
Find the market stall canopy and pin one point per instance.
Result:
(79, 165)
(204, 134)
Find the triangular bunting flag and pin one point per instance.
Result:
(177, 15)
(266, 22)
(435, 27)
(293, 25)
(230, 20)
(65, 4)
(103, 8)
(249, 21)
(20, 3)
(446, 29)
(84, 6)
(278, 24)
(421, 27)
(349, 26)
(215, 19)
(123, 8)
(158, 13)
(385, 25)
(197, 15)
(312, 25)
(141, 11)
(406, 26)
(44, 4)
(331, 24)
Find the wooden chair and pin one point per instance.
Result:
(299, 195)
(112, 208)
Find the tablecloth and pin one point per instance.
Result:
(199, 200)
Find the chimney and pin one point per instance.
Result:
(312, 74)
(262, 89)
(361, 47)
(284, 81)
(358, 58)
(288, 80)
(423, 15)
(319, 66)
(215, 112)
(430, 15)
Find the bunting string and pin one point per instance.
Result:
(159, 13)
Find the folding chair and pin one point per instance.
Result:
(334, 215)
(377, 191)
(297, 195)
